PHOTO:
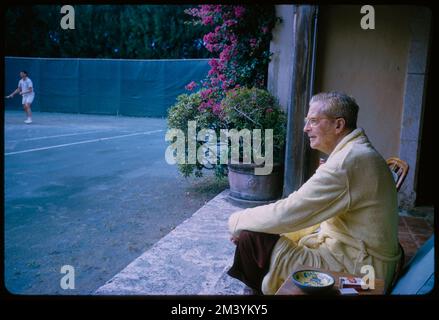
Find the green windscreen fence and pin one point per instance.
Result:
(103, 86)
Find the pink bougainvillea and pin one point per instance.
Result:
(240, 38)
(191, 86)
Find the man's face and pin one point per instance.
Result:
(22, 75)
(320, 129)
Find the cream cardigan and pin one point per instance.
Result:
(352, 197)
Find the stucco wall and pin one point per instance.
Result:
(369, 65)
(281, 46)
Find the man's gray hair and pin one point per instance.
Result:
(338, 105)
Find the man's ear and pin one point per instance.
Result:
(340, 124)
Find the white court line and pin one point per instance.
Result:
(60, 135)
(82, 142)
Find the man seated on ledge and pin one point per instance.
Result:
(352, 198)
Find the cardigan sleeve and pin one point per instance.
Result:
(323, 196)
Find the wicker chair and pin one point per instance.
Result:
(399, 169)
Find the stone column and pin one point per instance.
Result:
(413, 105)
(291, 80)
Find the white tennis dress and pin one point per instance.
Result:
(24, 85)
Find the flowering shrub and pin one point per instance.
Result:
(240, 37)
(254, 108)
(187, 109)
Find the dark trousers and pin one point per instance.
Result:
(252, 258)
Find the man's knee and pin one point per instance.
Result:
(246, 235)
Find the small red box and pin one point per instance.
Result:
(351, 282)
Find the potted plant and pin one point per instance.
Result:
(258, 175)
(232, 97)
(186, 111)
(247, 145)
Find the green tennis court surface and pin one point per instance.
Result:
(93, 192)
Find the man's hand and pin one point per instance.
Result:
(234, 239)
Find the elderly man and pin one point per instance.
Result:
(351, 201)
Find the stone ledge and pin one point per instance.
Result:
(191, 260)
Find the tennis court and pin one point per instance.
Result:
(93, 192)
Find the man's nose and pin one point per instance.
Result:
(306, 127)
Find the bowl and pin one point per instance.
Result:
(311, 281)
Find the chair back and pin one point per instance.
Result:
(399, 169)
